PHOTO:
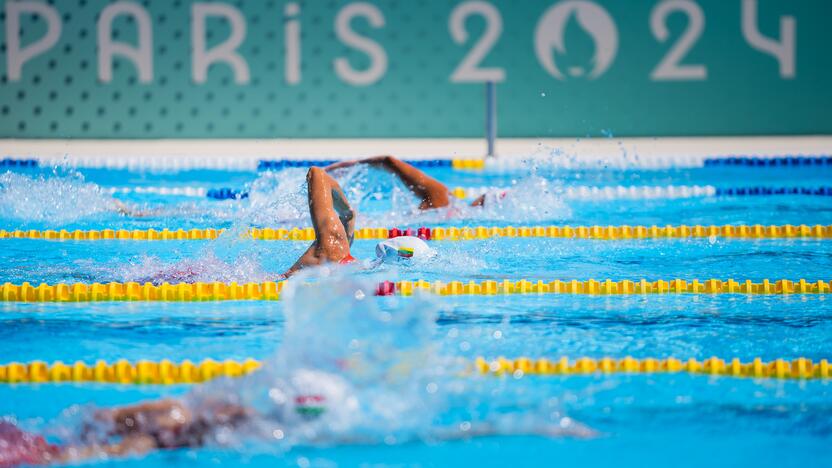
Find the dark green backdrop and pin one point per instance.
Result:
(744, 91)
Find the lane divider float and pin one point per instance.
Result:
(250, 164)
(570, 193)
(270, 290)
(231, 163)
(757, 231)
(766, 161)
(18, 162)
(166, 372)
(188, 191)
(265, 164)
(620, 192)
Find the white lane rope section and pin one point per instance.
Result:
(155, 163)
(172, 191)
(640, 193)
(614, 192)
(570, 193)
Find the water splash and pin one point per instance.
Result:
(371, 367)
(277, 198)
(363, 361)
(59, 199)
(206, 267)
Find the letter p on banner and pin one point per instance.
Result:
(17, 57)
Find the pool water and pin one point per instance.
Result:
(638, 420)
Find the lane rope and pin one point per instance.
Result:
(570, 193)
(166, 372)
(250, 164)
(270, 290)
(777, 161)
(659, 192)
(231, 163)
(199, 192)
(756, 231)
(463, 164)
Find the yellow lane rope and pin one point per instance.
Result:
(270, 290)
(756, 231)
(166, 372)
(800, 368)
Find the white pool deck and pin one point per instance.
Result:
(242, 154)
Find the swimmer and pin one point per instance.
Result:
(333, 220)
(432, 193)
(303, 406)
(124, 210)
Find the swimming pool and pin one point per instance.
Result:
(640, 419)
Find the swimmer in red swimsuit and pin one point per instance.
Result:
(333, 220)
(431, 192)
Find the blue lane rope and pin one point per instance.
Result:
(232, 194)
(226, 194)
(10, 162)
(735, 161)
(265, 165)
(767, 191)
(781, 161)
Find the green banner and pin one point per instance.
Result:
(417, 68)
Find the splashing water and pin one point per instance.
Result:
(207, 267)
(354, 368)
(58, 199)
(532, 198)
(277, 198)
(349, 368)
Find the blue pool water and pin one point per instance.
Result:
(637, 420)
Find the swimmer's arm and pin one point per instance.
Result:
(135, 444)
(332, 216)
(307, 259)
(433, 193)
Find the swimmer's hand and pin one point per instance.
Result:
(281, 277)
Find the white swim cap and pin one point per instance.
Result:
(403, 249)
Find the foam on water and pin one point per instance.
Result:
(58, 199)
(372, 366)
(277, 198)
(206, 267)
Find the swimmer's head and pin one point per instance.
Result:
(315, 393)
(403, 249)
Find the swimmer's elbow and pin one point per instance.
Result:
(314, 172)
(383, 161)
(433, 201)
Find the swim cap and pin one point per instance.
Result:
(315, 393)
(403, 249)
